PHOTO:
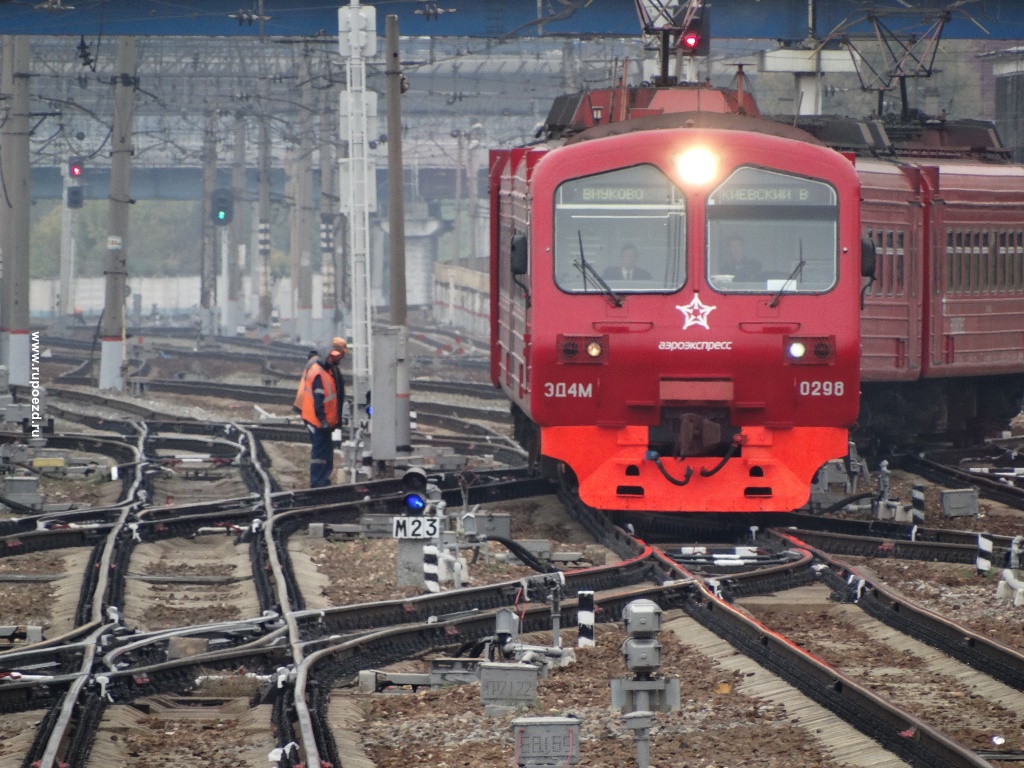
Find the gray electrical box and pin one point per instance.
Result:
(642, 618)
(384, 422)
(643, 654)
(962, 502)
(494, 524)
(544, 741)
(508, 684)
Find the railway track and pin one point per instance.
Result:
(77, 687)
(143, 558)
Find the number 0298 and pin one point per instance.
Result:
(822, 388)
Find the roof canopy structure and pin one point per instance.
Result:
(779, 19)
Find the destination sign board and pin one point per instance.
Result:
(753, 186)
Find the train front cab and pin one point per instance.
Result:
(698, 390)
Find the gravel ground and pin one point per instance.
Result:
(714, 728)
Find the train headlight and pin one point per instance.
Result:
(582, 350)
(810, 350)
(697, 166)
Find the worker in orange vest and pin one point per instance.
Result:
(321, 411)
(340, 345)
(300, 393)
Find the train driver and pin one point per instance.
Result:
(735, 262)
(627, 269)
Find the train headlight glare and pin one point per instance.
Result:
(594, 349)
(797, 350)
(697, 166)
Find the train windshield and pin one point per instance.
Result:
(770, 232)
(623, 231)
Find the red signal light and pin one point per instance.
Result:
(74, 168)
(690, 40)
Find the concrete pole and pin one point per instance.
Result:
(210, 243)
(302, 232)
(68, 245)
(14, 153)
(238, 233)
(112, 328)
(396, 229)
(263, 276)
(460, 164)
(328, 217)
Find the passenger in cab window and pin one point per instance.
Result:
(627, 268)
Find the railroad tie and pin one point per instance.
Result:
(843, 742)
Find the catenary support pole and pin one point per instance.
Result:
(113, 326)
(14, 153)
(396, 228)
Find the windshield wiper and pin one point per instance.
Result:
(585, 269)
(796, 271)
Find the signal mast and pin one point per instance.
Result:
(684, 24)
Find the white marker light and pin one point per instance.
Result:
(697, 166)
(594, 349)
(797, 350)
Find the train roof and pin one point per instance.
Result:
(709, 120)
(914, 137)
(921, 140)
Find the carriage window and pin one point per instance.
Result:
(772, 232)
(624, 228)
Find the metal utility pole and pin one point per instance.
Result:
(237, 234)
(396, 228)
(328, 216)
(302, 228)
(357, 39)
(263, 277)
(112, 329)
(207, 256)
(68, 246)
(14, 154)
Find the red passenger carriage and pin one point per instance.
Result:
(694, 387)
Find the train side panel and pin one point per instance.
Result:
(976, 317)
(893, 218)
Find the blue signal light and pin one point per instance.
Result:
(369, 410)
(415, 503)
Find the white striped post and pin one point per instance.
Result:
(917, 497)
(983, 563)
(585, 619)
(431, 571)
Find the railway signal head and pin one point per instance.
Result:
(414, 483)
(75, 197)
(75, 168)
(222, 205)
(695, 40)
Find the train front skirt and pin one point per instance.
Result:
(771, 471)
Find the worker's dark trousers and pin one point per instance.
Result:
(321, 459)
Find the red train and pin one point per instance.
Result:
(677, 285)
